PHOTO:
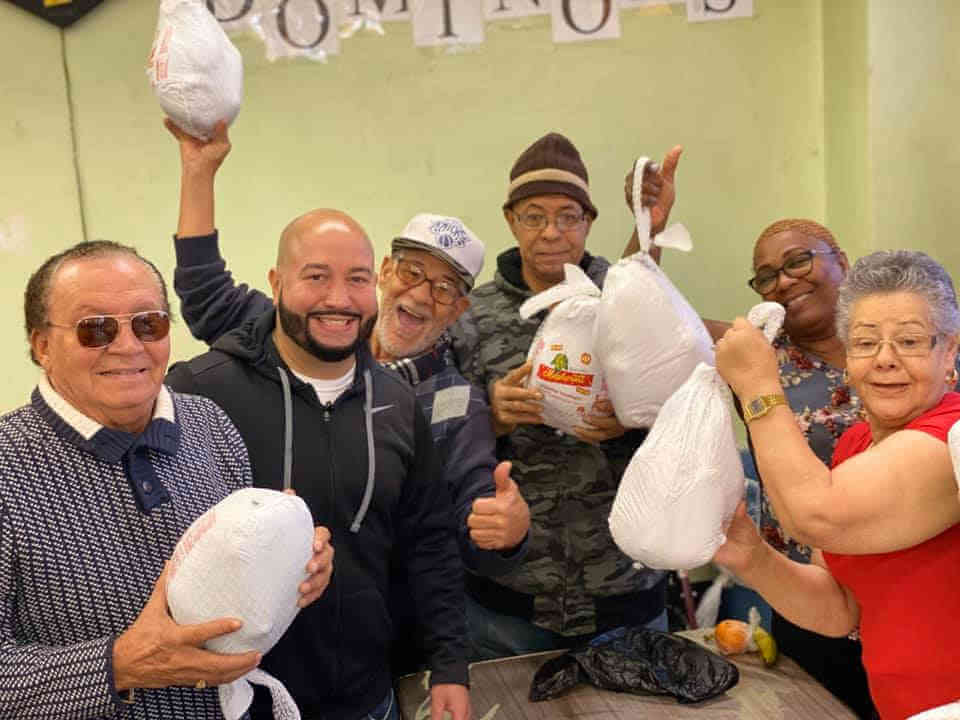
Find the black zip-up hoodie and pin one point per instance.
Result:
(334, 658)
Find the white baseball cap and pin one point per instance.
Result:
(446, 238)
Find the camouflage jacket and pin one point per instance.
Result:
(570, 485)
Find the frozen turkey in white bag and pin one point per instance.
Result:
(950, 711)
(562, 354)
(682, 486)
(953, 442)
(195, 71)
(244, 558)
(649, 338)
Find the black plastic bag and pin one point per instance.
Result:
(640, 661)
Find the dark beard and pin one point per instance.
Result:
(295, 327)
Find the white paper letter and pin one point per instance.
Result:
(447, 22)
(700, 10)
(578, 20)
(501, 9)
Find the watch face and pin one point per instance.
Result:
(755, 406)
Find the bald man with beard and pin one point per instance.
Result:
(320, 416)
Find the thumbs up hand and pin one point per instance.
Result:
(658, 191)
(667, 194)
(502, 521)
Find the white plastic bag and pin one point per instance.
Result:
(680, 490)
(708, 611)
(953, 442)
(944, 712)
(649, 338)
(244, 558)
(565, 367)
(195, 71)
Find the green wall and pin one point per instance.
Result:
(39, 203)
(846, 124)
(776, 115)
(915, 157)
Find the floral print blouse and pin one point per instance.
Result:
(824, 407)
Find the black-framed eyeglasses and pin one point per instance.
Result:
(795, 266)
(564, 221)
(412, 274)
(100, 330)
(905, 345)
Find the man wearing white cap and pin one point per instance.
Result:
(424, 285)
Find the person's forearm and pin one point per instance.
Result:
(716, 328)
(196, 204)
(806, 595)
(794, 478)
(633, 247)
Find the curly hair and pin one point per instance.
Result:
(35, 309)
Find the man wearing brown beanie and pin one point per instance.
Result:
(574, 583)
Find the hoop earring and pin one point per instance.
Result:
(952, 378)
(846, 377)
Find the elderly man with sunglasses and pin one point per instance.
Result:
(99, 477)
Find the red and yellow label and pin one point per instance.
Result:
(565, 377)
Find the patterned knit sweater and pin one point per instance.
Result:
(88, 515)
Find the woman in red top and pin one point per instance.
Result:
(886, 516)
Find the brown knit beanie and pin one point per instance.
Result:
(551, 165)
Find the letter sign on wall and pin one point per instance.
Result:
(302, 28)
(580, 20)
(502, 9)
(447, 22)
(701, 10)
(314, 28)
(382, 10)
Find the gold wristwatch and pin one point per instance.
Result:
(761, 405)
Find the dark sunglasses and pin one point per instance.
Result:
(101, 330)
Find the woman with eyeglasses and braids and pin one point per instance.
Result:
(885, 518)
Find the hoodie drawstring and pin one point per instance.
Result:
(371, 454)
(287, 429)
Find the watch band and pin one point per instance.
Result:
(761, 405)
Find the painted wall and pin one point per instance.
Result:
(39, 203)
(914, 153)
(387, 130)
(846, 124)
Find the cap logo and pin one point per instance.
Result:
(449, 234)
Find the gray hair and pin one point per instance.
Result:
(893, 271)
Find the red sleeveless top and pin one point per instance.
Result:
(909, 600)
